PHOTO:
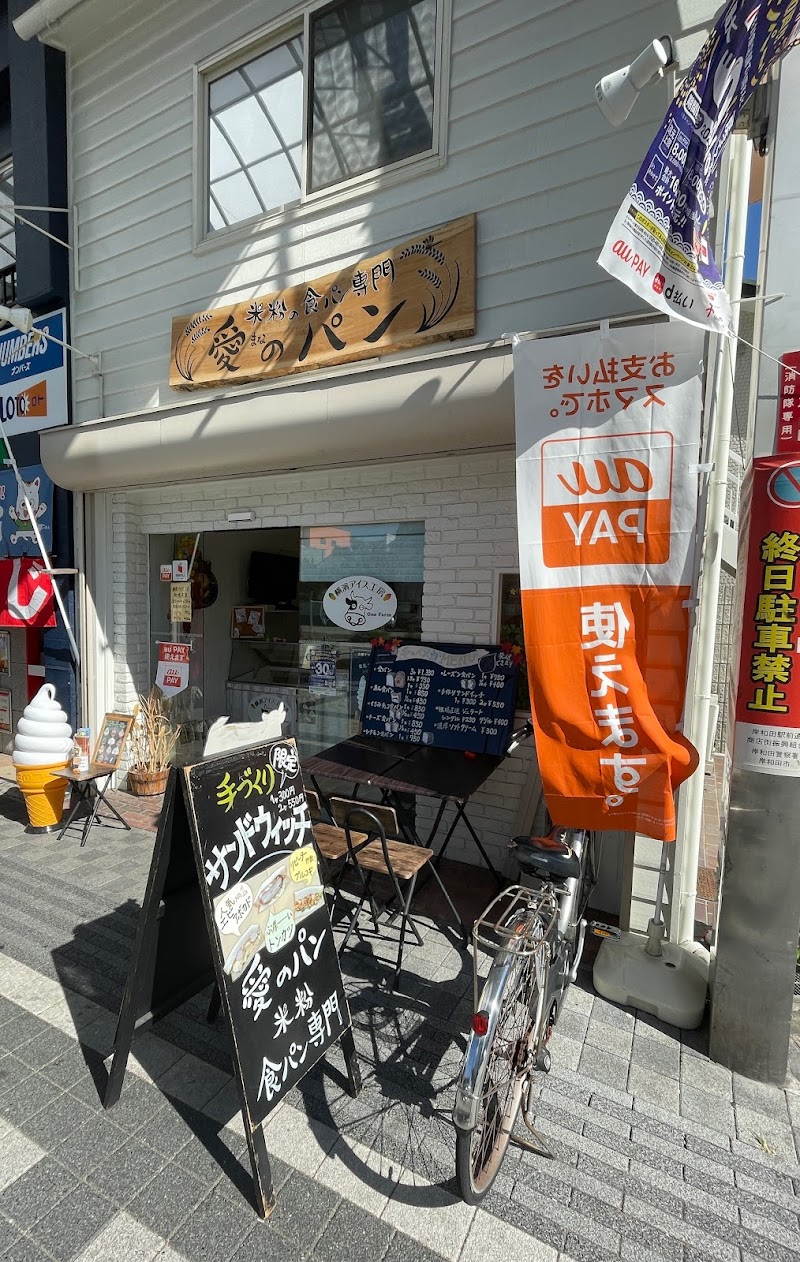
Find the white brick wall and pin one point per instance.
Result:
(468, 506)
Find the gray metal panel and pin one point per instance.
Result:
(434, 405)
(758, 927)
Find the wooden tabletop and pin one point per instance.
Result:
(95, 772)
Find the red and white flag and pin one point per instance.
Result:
(172, 672)
(26, 594)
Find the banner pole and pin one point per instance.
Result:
(685, 895)
(40, 542)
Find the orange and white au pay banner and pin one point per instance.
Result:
(608, 433)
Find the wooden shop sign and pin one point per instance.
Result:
(418, 292)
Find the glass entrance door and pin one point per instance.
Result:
(177, 656)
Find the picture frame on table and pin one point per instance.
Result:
(114, 731)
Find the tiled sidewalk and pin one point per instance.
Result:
(659, 1154)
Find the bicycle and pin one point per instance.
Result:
(536, 934)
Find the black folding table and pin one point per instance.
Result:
(397, 767)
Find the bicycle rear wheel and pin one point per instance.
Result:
(511, 991)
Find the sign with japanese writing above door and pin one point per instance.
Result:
(608, 435)
(411, 294)
(265, 906)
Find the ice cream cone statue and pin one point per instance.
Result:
(42, 746)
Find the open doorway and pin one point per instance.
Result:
(280, 616)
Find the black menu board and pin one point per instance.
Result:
(268, 917)
(449, 696)
(234, 893)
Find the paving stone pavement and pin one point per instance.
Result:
(658, 1153)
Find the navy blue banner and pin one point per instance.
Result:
(16, 534)
(449, 696)
(658, 242)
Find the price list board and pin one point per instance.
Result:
(446, 696)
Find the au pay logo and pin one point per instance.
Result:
(606, 499)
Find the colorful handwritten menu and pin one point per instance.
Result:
(272, 931)
(448, 696)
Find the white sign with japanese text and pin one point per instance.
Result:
(608, 433)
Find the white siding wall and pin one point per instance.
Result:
(527, 150)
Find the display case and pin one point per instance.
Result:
(322, 705)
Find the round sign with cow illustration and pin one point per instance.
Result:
(359, 603)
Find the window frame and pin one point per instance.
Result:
(293, 23)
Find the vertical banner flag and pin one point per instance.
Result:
(658, 243)
(608, 433)
(172, 671)
(26, 594)
(767, 732)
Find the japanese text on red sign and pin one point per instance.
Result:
(775, 618)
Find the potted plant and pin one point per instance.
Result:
(152, 744)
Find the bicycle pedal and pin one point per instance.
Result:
(543, 1061)
(603, 931)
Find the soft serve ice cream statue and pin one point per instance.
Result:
(44, 736)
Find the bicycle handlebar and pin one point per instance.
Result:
(522, 734)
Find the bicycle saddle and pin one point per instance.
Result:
(551, 854)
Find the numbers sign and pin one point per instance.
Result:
(448, 696)
(271, 930)
(234, 892)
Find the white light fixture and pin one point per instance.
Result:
(242, 515)
(616, 93)
(22, 318)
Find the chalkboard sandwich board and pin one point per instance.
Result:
(448, 696)
(262, 912)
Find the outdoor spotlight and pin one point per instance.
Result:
(617, 92)
(18, 317)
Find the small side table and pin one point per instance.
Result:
(89, 789)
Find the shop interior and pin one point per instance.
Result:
(259, 635)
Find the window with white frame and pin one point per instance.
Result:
(350, 92)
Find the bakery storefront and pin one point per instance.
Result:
(248, 542)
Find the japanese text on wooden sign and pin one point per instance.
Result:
(271, 926)
(767, 735)
(421, 291)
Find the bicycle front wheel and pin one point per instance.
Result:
(510, 992)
